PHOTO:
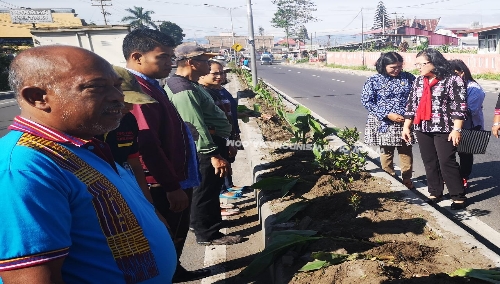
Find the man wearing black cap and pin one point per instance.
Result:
(166, 146)
(196, 106)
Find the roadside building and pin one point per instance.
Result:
(19, 33)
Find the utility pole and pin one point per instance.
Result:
(328, 43)
(251, 41)
(104, 13)
(362, 40)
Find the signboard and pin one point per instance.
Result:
(28, 16)
(237, 47)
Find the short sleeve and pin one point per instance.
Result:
(36, 219)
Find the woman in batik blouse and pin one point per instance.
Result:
(437, 108)
(385, 96)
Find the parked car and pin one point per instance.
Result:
(266, 60)
(220, 57)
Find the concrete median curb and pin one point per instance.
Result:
(252, 133)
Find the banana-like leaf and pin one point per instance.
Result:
(316, 126)
(273, 183)
(290, 211)
(491, 276)
(314, 265)
(305, 233)
(331, 258)
(278, 246)
(302, 109)
(287, 187)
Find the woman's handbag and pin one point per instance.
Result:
(473, 141)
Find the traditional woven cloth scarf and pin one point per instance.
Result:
(425, 104)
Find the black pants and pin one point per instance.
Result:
(177, 221)
(438, 155)
(466, 162)
(205, 210)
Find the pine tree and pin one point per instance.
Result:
(380, 17)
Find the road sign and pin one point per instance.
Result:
(237, 47)
(28, 16)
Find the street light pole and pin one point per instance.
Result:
(251, 41)
(232, 33)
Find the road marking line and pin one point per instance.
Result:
(7, 102)
(342, 81)
(338, 80)
(298, 72)
(314, 75)
(215, 257)
(289, 70)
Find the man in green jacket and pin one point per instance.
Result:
(197, 107)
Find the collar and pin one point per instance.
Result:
(27, 126)
(152, 81)
(99, 148)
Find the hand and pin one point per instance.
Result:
(454, 137)
(220, 165)
(178, 200)
(406, 135)
(494, 130)
(232, 151)
(395, 117)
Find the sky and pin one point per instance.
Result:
(199, 18)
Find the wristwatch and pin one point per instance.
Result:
(496, 123)
(458, 129)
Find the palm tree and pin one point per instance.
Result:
(139, 18)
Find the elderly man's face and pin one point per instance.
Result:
(87, 101)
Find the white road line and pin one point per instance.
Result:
(289, 70)
(333, 79)
(7, 102)
(298, 72)
(342, 81)
(314, 75)
(317, 76)
(338, 80)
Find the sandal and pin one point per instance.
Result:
(229, 212)
(231, 195)
(458, 205)
(227, 206)
(238, 188)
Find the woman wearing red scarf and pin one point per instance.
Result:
(437, 108)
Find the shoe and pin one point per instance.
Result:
(408, 183)
(182, 275)
(458, 205)
(434, 199)
(225, 240)
(229, 211)
(231, 195)
(238, 188)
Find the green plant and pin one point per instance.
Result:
(284, 184)
(491, 276)
(354, 200)
(281, 242)
(290, 211)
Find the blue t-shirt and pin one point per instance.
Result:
(105, 227)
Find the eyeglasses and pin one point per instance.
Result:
(419, 65)
(217, 73)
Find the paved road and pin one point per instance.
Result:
(336, 97)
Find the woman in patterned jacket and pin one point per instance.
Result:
(437, 108)
(385, 96)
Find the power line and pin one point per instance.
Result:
(104, 13)
(11, 5)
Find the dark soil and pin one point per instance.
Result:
(372, 219)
